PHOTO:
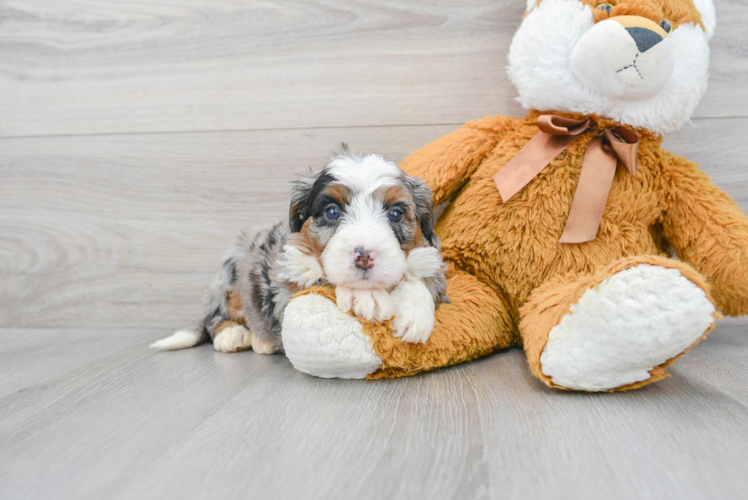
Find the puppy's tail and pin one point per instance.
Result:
(182, 339)
(217, 306)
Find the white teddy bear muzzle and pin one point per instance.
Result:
(624, 57)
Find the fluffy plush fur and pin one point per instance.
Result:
(573, 69)
(360, 225)
(608, 314)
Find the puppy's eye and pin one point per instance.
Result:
(605, 6)
(666, 25)
(332, 212)
(396, 215)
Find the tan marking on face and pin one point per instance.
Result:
(418, 241)
(400, 194)
(236, 309)
(394, 194)
(339, 192)
(306, 240)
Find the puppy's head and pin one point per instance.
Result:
(360, 217)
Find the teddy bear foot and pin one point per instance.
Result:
(618, 332)
(321, 340)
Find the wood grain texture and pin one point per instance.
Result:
(127, 231)
(93, 66)
(94, 414)
(137, 138)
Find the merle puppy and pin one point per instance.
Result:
(361, 225)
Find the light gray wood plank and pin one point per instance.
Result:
(679, 438)
(127, 231)
(170, 65)
(130, 423)
(724, 365)
(44, 356)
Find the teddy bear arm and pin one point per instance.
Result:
(448, 162)
(707, 229)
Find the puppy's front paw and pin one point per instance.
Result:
(371, 305)
(414, 312)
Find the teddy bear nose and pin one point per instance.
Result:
(645, 39)
(364, 258)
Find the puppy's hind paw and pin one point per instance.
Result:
(232, 339)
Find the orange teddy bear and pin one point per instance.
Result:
(562, 224)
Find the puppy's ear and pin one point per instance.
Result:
(298, 212)
(424, 209)
(305, 191)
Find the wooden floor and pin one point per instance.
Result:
(136, 138)
(92, 414)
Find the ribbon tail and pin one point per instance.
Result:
(595, 180)
(626, 145)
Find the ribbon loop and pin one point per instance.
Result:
(559, 125)
(595, 179)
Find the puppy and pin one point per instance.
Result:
(361, 225)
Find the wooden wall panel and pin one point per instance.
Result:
(111, 66)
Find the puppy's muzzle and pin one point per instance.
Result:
(364, 258)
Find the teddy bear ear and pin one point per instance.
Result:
(708, 16)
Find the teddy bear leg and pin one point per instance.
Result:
(474, 324)
(321, 340)
(618, 328)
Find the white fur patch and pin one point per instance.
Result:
(321, 340)
(374, 304)
(708, 15)
(540, 67)
(425, 262)
(232, 339)
(299, 267)
(182, 339)
(364, 174)
(414, 312)
(633, 321)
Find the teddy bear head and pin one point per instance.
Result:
(642, 63)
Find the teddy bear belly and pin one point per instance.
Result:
(514, 246)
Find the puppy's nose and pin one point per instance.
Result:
(364, 258)
(645, 32)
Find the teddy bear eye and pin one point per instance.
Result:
(606, 7)
(666, 25)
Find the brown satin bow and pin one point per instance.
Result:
(598, 169)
